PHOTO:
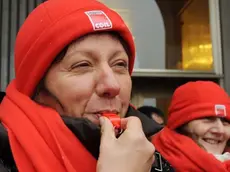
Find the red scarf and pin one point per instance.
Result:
(185, 155)
(39, 139)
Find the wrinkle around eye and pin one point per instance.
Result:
(122, 63)
(225, 122)
(81, 68)
(80, 65)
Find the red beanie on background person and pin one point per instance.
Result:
(192, 101)
(196, 100)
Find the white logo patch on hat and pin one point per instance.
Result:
(99, 20)
(220, 110)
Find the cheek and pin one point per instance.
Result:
(196, 130)
(125, 93)
(125, 88)
(200, 131)
(73, 93)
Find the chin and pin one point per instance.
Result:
(214, 151)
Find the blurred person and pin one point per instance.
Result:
(197, 132)
(153, 113)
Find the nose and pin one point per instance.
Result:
(107, 84)
(219, 127)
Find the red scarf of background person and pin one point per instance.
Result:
(39, 139)
(185, 155)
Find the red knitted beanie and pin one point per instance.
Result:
(51, 27)
(195, 100)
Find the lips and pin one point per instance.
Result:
(98, 113)
(212, 141)
(95, 115)
(106, 111)
(214, 145)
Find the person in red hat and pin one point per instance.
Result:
(73, 64)
(197, 132)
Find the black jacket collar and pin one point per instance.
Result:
(89, 133)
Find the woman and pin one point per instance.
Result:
(198, 130)
(73, 61)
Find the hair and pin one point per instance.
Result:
(61, 55)
(148, 110)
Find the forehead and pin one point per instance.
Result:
(202, 121)
(195, 122)
(99, 42)
(88, 42)
(96, 38)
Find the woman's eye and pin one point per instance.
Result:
(225, 122)
(80, 65)
(122, 64)
(209, 119)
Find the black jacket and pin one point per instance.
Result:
(89, 135)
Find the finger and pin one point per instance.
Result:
(132, 124)
(151, 161)
(107, 129)
(152, 153)
(124, 122)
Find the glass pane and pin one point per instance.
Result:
(196, 38)
(169, 34)
(146, 23)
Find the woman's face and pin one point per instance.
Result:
(93, 77)
(210, 133)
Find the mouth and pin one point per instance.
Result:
(99, 113)
(106, 111)
(94, 116)
(213, 145)
(212, 141)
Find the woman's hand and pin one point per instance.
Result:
(131, 152)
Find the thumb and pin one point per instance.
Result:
(107, 129)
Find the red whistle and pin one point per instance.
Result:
(114, 118)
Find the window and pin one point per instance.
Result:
(169, 34)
